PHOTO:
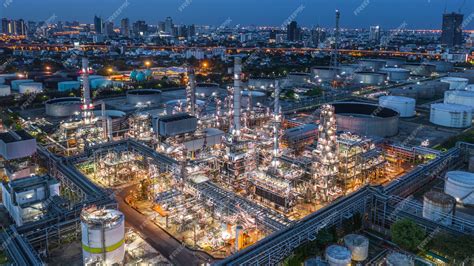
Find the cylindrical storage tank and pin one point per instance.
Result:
(5, 90)
(373, 65)
(451, 115)
(460, 185)
(460, 97)
(420, 69)
(443, 66)
(394, 62)
(396, 74)
(403, 105)
(323, 73)
(398, 259)
(205, 90)
(179, 106)
(338, 255)
(103, 236)
(256, 97)
(31, 87)
(366, 119)
(468, 74)
(69, 85)
(456, 83)
(144, 96)
(405, 92)
(438, 207)
(358, 245)
(369, 78)
(100, 83)
(63, 107)
(15, 84)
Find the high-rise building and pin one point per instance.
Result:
(169, 25)
(140, 28)
(5, 26)
(125, 27)
(293, 32)
(317, 35)
(452, 29)
(98, 25)
(374, 34)
(109, 28)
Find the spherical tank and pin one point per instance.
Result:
(460, 185)
(103, 236)
(30, 87)
(438, 207)
(369, 78)
(366, 119)
(338, 255)
(451, 115)
(358, 245)
(5, 90)
(456, 83)
(403, 105)
(144, 96)
(63, 107)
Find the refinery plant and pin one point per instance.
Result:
(204, 159)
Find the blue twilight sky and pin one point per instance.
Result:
(424, 14)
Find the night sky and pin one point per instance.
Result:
(418, 14)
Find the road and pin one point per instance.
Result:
(158, 238)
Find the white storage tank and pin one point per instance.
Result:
(103, 236)
(451, 115)
(16, 83)
(338, 255)
(403, 105)
(30, 87)
(460, 97)
(396, 74)
(456, 83)
(398, 259)
(460, 185)
(438, 207)
(358, 245)
(5, 90)
(369, 78)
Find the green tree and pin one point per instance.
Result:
(455, 248)
(407, 234)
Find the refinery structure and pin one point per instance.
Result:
(236, 173)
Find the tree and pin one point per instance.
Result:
(455, 248)
(407, 234)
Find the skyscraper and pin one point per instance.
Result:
(293, 32)
(98, 25)
(125, 27)
(452, 29)
(374, 34)
(169, 25)
(109, 28)
(5, 26)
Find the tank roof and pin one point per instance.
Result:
(338, 252)
(101, 217)
(454, 79)
(394, 69)
(356, 240)
(440, 197)
(363, 109)
(451, 107)
(400, 99)
(461, 177)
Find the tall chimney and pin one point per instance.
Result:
(237, 94)
(191, 92)
(86, 95)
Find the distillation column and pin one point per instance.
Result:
(276, 125)
(191, 92)
(237, 96)
(87, 105)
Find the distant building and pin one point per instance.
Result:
(98, 25)
(374, 34)
(14, 27)
(452, 29)
(16, 145)
(125, 27)
(292, 32)
(109, 28)
(140, 28)
(317, 36)
(169, 25)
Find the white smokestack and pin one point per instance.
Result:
(237, 94)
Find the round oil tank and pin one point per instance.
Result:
(403, 105)
(5, 90)
(69, 85)
(103, 236)
(420, 69)
(373, 65)
(205, 90)
(451, 115)
(179, 105)
(366, 119)
(438, 207)
(338, 255)
(101, 83)
(358, 245)
(63, 107)
(369, 78)
(396, 74)
(460, 185)
(323, 73)
(399, 259)
(460, 97)
(456, 83)
(257, 98)
(144, 96)
(16, 83)
(30, 87)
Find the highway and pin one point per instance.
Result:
(158, 238)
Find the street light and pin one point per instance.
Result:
(147, 63)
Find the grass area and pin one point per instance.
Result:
(467, 136)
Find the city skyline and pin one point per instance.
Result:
(354, 14)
